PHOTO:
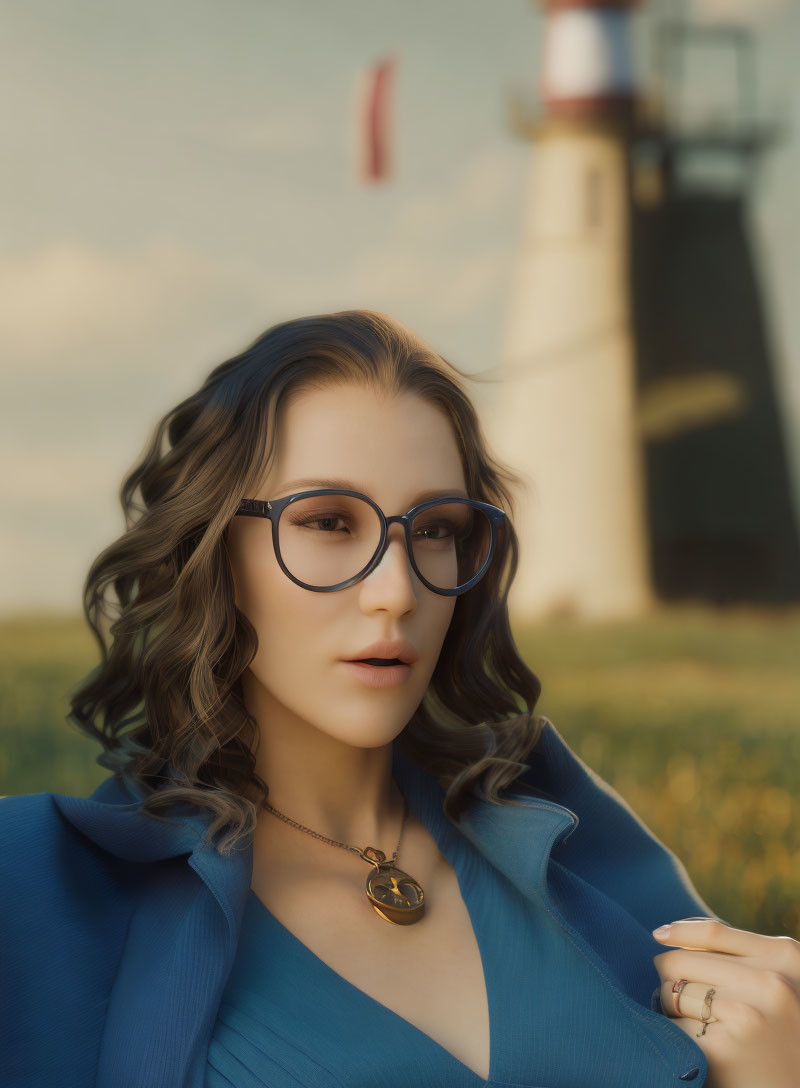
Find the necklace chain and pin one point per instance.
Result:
(393, 893)
(335, 842)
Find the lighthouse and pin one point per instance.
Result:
(564, 416)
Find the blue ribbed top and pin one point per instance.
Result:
(287, 1019)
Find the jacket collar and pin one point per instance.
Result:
(607, 846)
(110, 818)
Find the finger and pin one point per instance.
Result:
(713, 935)
(690, 1002)
(713, 968)
(694, 1029)
(747, 974)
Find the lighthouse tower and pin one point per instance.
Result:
(564, 415)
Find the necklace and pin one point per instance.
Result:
(392, 893)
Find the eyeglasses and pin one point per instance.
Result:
(327, 539)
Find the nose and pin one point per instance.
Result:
(395, 546)
(393, 563)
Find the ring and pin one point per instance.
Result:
(677, 986)
(677, 989)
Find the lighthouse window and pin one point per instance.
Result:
(592, 198)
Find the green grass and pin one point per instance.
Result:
(693, 716)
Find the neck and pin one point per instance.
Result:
(336, 789)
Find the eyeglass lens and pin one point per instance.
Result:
(327, 539)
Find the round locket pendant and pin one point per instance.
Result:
(394, 894)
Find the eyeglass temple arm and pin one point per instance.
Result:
(258, 508)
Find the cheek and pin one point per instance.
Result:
(255, 573)
(273, 604)
(443, 615)
(294, 664)
(285, 616)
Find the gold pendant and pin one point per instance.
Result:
(395, 895)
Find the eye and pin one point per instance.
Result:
(318, 519)
(447, 531)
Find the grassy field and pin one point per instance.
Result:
(693, 717)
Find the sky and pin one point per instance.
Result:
(178, 177)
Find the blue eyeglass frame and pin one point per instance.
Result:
(272, 509)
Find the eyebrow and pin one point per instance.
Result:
(347, 485)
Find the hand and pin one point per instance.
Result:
(752, 1037)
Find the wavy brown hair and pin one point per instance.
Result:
(166, 700)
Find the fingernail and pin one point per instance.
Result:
(662, 931)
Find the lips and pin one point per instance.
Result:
(382, 676)
(387, 650)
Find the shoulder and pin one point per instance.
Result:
(64, 902)
(23, 808)
(50, 874)
(612, 847)
(62, 928)
(29, 827)
(33, 833)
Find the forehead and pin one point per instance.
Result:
(394, 445)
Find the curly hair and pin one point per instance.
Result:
(166, 699)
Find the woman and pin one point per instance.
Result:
(310, 871)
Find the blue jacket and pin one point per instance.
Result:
(118, 932)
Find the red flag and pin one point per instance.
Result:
(374, 120)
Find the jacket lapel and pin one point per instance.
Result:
(602, 874)
(180, 945)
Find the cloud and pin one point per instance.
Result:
(73, 304)
(422, 245)
(477, 189)
(58, 296)
(456, 287)
(48, 479)
(297, 131)
(70, 296)
(74, 312)
(746, 11)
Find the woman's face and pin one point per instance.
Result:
(391, 448)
